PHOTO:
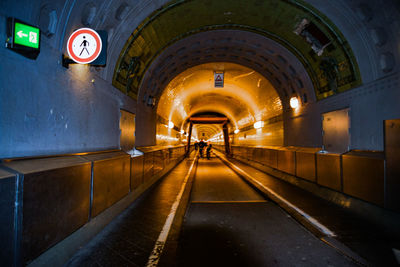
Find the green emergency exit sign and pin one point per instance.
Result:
(23, 38)
(26, 35)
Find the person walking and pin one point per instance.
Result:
(202, 144)
(209, 150)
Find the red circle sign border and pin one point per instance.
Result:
(95, 54)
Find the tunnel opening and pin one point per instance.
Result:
(247, 98)
(208, 119)
(192, 61)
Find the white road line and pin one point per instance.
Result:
(162, 238)
(312, 220)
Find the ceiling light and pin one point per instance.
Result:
(294, 102)
(258, 124)
(236, 131)
(170, 124)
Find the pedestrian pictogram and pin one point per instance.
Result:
(84, 45)
(218, 79)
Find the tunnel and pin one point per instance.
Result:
(298, 100)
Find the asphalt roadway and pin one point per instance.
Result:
(220, 221)
(228, 223)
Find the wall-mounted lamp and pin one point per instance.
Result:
(151, 101)
(170, 124)
(294, 102)
(182, 131)
(258, 124)
(236, 131)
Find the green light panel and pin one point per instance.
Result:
(26, 35)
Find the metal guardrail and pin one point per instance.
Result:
(358, 174)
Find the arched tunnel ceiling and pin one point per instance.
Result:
(273, 61)
(333, 70)
(246, 97)
(206, 131)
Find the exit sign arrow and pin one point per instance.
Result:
(21, 34)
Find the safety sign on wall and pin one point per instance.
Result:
(218, 79)
(23, 38)
(84, 45)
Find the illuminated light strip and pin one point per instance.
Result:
(228, 201)
(162, 238)
(312, 220)
(165, 137)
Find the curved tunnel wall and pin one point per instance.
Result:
(282, 69)
(75, 122)
(304, 127)
(46, 109)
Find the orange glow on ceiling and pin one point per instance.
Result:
(246, 97)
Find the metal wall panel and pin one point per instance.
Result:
(159, 161)
(148, 166)
(243, 152)
(236, 151)
(173, 154)
(287, 161)
(7, 213)
(176, 153)
(127, 128)
(273, 158)
(363, 176)
(111, 179)
(306, 163)
(392, 156)
(56, 193)
(249, 153)
(136, 172)
(336, 129)
(261, 155)
(258, 155)
(329, 170)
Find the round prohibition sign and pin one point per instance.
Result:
(84, 45)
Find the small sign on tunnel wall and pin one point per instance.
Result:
(84, 45)
(23, 38)
(218, 79)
